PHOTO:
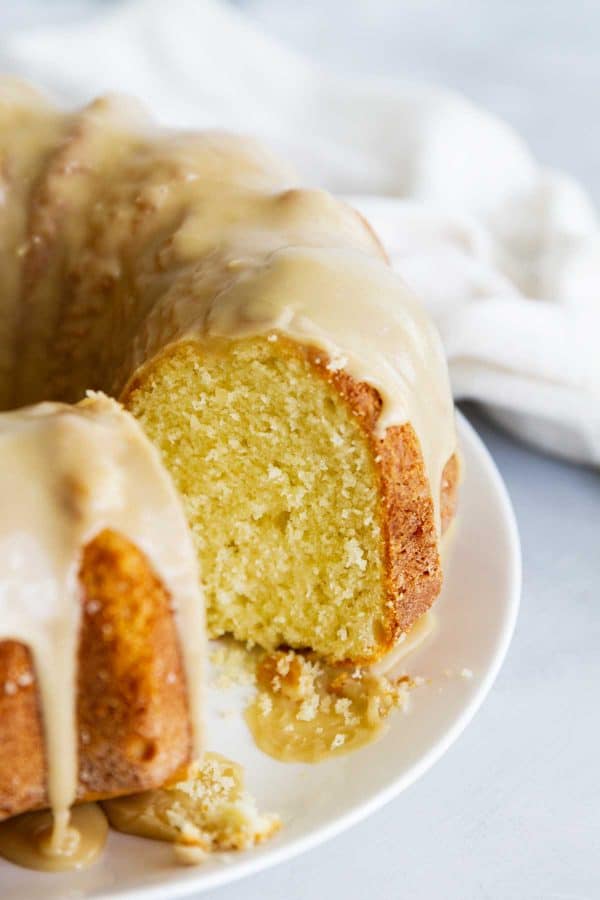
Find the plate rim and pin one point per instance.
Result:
(320, 835)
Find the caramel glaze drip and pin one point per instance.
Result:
(306, 710)
(30, 840)
(66, 474)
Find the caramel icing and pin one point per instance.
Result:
(34, 130)
(30, 840)
(67, 473)
(307, 711)
(137, 238)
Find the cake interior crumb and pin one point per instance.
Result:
(289, 555)
(203, 809)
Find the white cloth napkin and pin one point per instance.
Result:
(505, 254)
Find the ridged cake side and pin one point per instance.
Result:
(132, 716)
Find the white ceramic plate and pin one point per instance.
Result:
(476, 617)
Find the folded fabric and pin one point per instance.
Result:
(505, 254)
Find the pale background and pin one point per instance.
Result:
(513, 811)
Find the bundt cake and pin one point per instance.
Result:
(297, 392)
(101, 612)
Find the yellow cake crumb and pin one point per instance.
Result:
(289, 555)
(233, 663)
(205, 807)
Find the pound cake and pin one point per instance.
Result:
(301, 463)
(296, 390)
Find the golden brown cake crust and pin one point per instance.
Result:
(413, 573)
(132, 713)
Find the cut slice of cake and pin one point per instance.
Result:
(312, 531)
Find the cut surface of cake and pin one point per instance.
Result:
(311, 531)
